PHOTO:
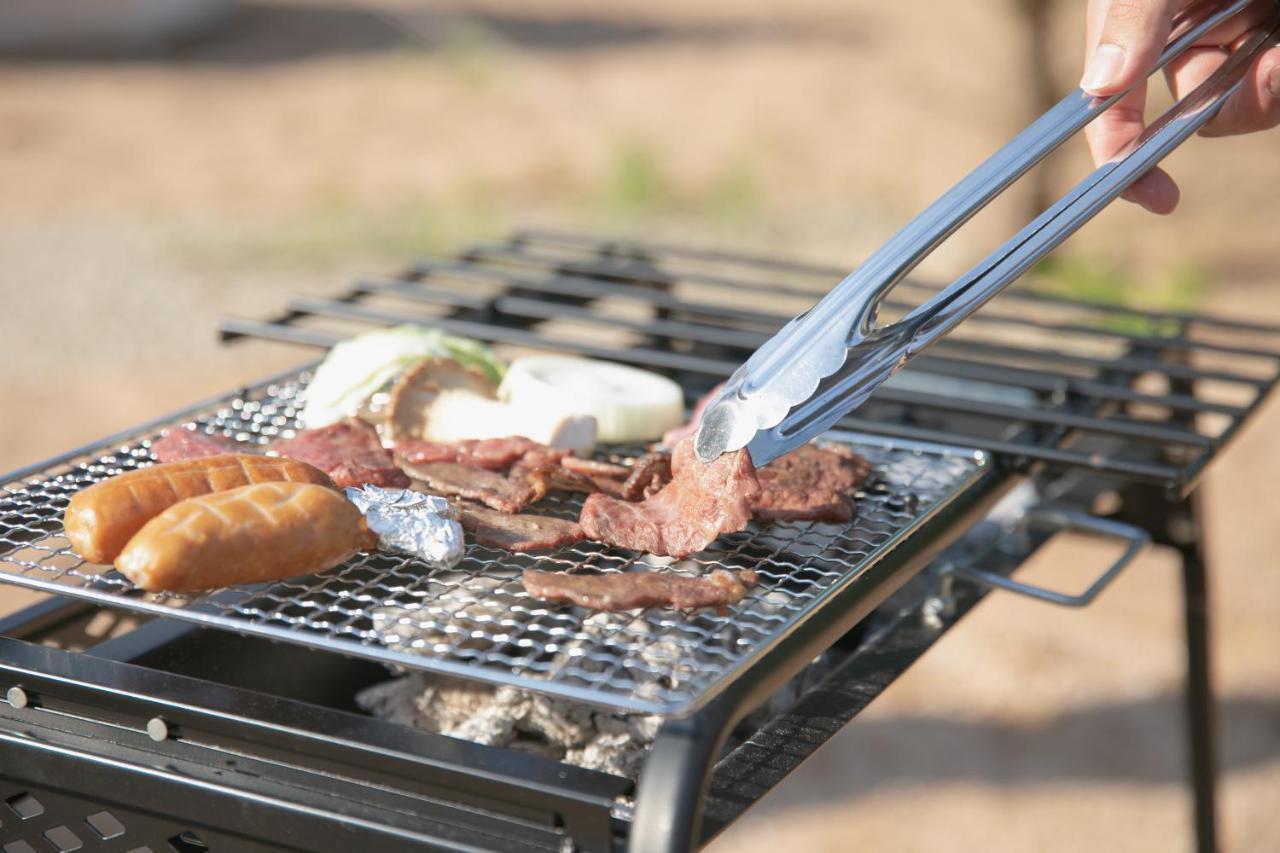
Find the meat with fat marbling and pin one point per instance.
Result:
(810, 484)
(494, 454)
(629, 590)
(522, 532)
(649, 474)
(179, 444)
(493, 489)
(528, 481)
(702, 501)
(349, 452)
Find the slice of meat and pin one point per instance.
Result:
(348, 451)
(494, 454)
(523, 532)
(596, 468)
(528, 462)
(810, 484)
(495, 490)
(178, 444)
(545, 468)
(629, 590)
(702, 501)
(649, 474)
(672, 437)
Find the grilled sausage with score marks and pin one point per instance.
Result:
(252, 534)
(101, 519)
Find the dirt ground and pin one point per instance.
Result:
(306, 142)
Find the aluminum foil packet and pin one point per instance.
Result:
(410, 522)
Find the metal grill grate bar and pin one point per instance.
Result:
(1084, 382)
(1115, 425)
(475, 620)
(596, 245)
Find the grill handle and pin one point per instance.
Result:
(1067, 520)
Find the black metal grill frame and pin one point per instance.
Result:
(282, 773)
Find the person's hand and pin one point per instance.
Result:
(1125, 40)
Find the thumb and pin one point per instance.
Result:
(1131, 35)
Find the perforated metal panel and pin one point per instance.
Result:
(476, 620)
(35, 820)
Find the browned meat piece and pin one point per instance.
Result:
(680, 433)
(595, 468)
(503, 493)
(608, 486)
(545, 469)
(591, 475)
(628, 590)
(649, 474)
(537, 472)
(523, 532)
(179, 444)
(495, 454)
(810, 484)
(348, 451)
(701, 502)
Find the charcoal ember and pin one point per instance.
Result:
(457, 603)
(394, 701)
(517, 719)
(610, 753)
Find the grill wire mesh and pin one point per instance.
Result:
(475, 620)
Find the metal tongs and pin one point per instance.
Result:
(828, 360)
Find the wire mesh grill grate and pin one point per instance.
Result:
(475, 620)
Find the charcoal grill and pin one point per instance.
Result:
(228, 723)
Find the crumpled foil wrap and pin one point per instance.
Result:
(410, 522)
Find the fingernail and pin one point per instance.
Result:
(1273, 82)
(1104, 67)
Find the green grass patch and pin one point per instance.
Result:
(1180, 288)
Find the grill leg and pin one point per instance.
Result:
(674, 782)
(1202, 727)
(1176, 524)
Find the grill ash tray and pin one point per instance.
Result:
(475, 620)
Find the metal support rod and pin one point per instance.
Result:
(1201, 715)
(677, 774)
(1184, 530)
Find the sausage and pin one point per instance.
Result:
(251, 534)
(100, 519)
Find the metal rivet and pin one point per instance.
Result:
(157, 729)
(17, 697)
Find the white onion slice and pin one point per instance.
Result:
(629, 404)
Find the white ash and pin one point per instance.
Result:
(454, 605)
(505, 716)
(577, 734)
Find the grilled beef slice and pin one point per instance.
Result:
(702, 501)
(628, 590)
(348, 451)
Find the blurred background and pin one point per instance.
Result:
(165, 162)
